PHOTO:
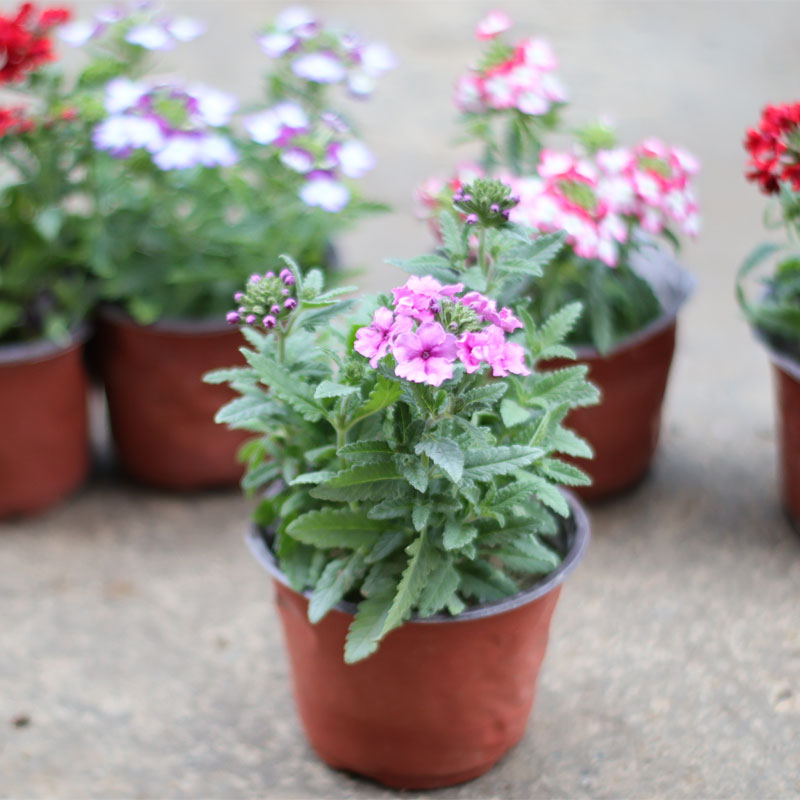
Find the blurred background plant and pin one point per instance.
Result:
(774, 164)
(45, 202)
(191, 198)
(610, 200)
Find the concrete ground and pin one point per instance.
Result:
(141, 653)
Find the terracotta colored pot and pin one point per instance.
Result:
(624, 428)
(161, 412)
(44, 438)
(442, 700)
(787, 384)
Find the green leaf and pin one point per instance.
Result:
(420, 516)
(567, 385)
(413, 470)
(386, 545)
(391, 509)
(549, 494)
(367, 627)
(230, 375)
(528, 555)
(314, 477)
(257, 477)
(328, 528)
(313, 319)
(332, 389)
(568, 442)
(336, 580)
(481, 398)
(48, 223)
(247, 409)
(513, 413)
(485, 582)
(547, 425)
(382, 395)
(423, 560)
(362, 482)
(437, 266)
(446, 454)
(485, 463)
(439, 590)
(457, 535)
(451, 234)
(563, 473)
(287, 386)
(366, 452)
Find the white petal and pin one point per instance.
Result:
(325, 193)
(77, 33)
(355, 159)
(275, 44)
(319, 68)
(185, 29)
(122, 93)
(151, 37)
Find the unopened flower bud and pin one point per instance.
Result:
(494, 208)
(290, 304)
(285, 292)
(232, 318)
(250, 319)
(467, 198)
(238, 296)
(287, 277)
(270, 274)
(269, 321)
(241, 310)
(254, 278)
(472, 219)
(276, 309)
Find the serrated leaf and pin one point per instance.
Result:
(452, 237)
(568, 442)
(549, 494)
(333, 389)
(336, 580)
(512, 413)
(567, 385)
(384, 393)
(485, 582)
(420, 516)
(287, 386)
(457, 535)
(256, 477)
(558, 326)
(423, 560)
(436, 266)
(388, 542)
(366, 451)
(366, 629)
(413, 470)
(361, 482)
(439, 590)
(311, 320)
(563, 473)
(323, 453)
(245, 409)
(485, 463)
(547, 425)
(313, 477)
(482, 397)
(327, 528)
(231, 375)
(446, 454)
(390, 509)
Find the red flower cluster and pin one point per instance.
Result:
(774, 148)
(24, 45)
(13, 120)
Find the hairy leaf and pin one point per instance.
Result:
(336, 580)
(446, 454)
(328, 528)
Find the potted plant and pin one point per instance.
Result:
(410, 509)
(45, 287)
(774, 149)
(196, 196)
(617, 205)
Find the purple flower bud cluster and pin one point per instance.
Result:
(324, 55)
(173, 123)
(320, 150)
(267, 300)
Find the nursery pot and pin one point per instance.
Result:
(624, 428)
(44, 439)
(786, 372)
(442, 699)
(161, 412)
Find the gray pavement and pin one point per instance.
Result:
(141, 653)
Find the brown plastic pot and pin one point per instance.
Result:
(443, 698)
(44, 439)
(161, 412)
(786, 372)
(624, 428)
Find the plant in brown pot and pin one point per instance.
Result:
(45, 286)
(774, 148)
(616, 205)
(194, 198)
(410, 514)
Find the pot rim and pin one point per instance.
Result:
(186, 327)
(672, 284)
(783, 361)
(580, 529)
(42, 349)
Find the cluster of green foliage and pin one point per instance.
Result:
(404, 497)
(776, 312)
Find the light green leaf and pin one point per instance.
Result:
(439, 590)
(513, 413)
(367, 627)
(314, 477)
(367, 451)
(287, 386)
(485, 463)
(382, 395)
(446, 454)
(436, 266)
(568, 442)
(457, 535)
(563, 473)
(332, 389)
(389, 542)
(328, 528)
(420, 516)
(336, 580)
(413, 470)
(549, 494)
(362, 482)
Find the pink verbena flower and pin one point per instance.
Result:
(486, 309)
(493, 24)
(420, 296)
(426, 356)
(490, 347)
(373, 341)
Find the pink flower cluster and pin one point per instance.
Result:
(425, 349)
(598, 199)
(524, 81)
(323, 55)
